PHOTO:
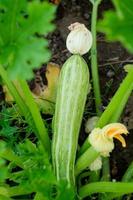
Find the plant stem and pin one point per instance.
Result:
(85, 160)
(100, 187)
(128, 174)
(118, 102)
(41, 129)
(12, 90)
(94, 65)
(105, 169)
(94, 176)
(105, 175)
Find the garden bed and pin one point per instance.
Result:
(30, 174)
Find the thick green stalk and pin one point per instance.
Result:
(128, 174)
(12, 90)
(16, 96)
(105, 169)
(118, 102)
(105, 175)
(101, 187)
(85, 160)
(94, 65)
(42, 131)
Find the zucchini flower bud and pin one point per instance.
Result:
(96, 164)
(79, 40)
(102, 139)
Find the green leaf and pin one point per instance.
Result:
(9, 14)
(28, 61)
(118, 25)
(22, 43)
(39, 17)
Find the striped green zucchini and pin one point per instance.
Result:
(71, 97)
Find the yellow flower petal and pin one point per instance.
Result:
(121, 139)
(115, 130)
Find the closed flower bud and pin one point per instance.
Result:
(79, 40)
(96, 165)
(91, 124)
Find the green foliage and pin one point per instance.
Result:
(36, 175)
(23, 25)
(12, 125)
(8, 131)
(27, 107)
(118, 25)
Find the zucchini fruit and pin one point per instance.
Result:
(72, 92)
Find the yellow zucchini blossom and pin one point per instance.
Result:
(102, 139)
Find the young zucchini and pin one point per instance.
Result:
(71, 97)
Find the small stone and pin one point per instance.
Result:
(86, 16)
(110, 73)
